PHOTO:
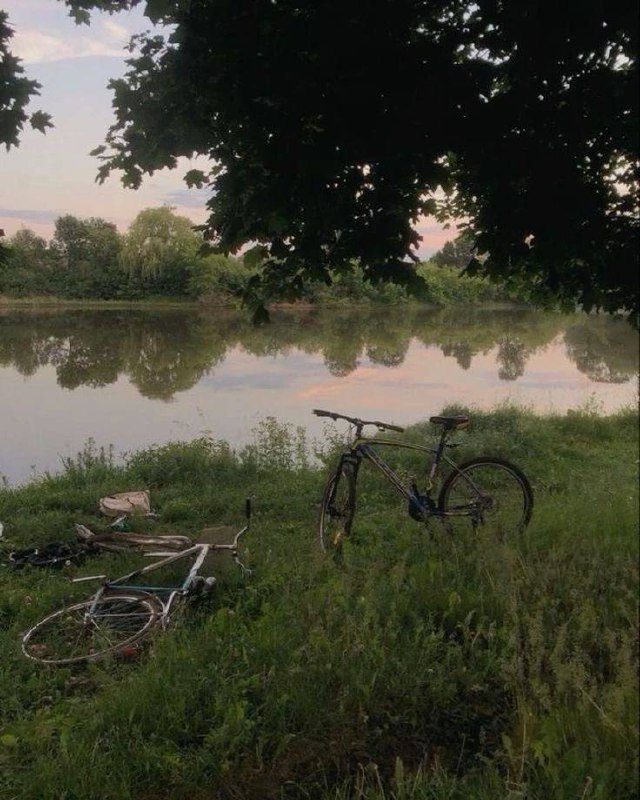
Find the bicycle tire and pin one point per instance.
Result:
(54, 554)
(337, 510)
(91, 638)
(478, 489)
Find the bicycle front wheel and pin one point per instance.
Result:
(84, 632)
(489, 491)
(337, 510)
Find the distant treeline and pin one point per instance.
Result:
(162, 256)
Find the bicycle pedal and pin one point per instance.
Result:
(201, 585)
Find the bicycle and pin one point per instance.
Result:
(121, 613)
(486, 489)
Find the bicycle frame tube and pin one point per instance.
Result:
(366, 451)
(364, 448)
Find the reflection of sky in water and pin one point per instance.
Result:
(40, 422)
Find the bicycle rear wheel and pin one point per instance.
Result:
(490, 491)
(337, 510)
(77, 633)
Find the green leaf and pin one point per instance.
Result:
(8, 740)
(159, 10)
(195, 178)
(254, 257)
(80, 15)
(40, 121)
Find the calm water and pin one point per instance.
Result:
(134, 378)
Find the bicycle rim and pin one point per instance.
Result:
(76, 633)
(336, 512)
(490, 492)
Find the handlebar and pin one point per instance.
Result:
(247, 512)
(359, 423)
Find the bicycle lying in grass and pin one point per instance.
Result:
(485, 490)
(121, 612)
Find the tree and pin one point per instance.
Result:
(457, 253)
(333, 126)
(88, 252)
(28, 265)
(15, 92)
(156, 239)
(160, 247)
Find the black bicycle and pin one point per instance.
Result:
(486, 490)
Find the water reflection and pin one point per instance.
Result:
(166, 352)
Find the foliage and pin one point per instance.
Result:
(448, 665)
(331, 130)
(86, 252)
(445, 287)
(159, 248)
(456, 253)
(26, 266)
(16, 90)
(88, 258)
(163, 352)
(219, 278)
(162, 256)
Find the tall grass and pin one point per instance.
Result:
(436, 665)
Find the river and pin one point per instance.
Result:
(132, 378)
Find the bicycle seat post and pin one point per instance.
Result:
(438, 454)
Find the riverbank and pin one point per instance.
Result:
(225, 283)
(436, 666)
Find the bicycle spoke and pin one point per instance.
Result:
(90, 629)
(490, 492)
(336, 513)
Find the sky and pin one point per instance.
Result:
(52, 175)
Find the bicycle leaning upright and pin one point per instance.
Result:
(486, 489)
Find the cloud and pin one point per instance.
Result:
(187, 198)
(31, 214)
(116, 31)
(36, 47)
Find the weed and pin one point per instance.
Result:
(438, 666)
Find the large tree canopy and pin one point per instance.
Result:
(332, 126)
(15, 92)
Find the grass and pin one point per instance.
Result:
(434, 666)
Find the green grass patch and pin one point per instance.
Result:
(437, 664)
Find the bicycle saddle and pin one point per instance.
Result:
(451, 423)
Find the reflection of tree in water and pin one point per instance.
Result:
(90, 355)
(169, 354)
(461, 351)
(22, 346)
(387, 356)
(512, 357)
(387, 344)
(602, 349)
(164, 352)
(96, 365)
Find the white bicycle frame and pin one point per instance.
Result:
(200, 551)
